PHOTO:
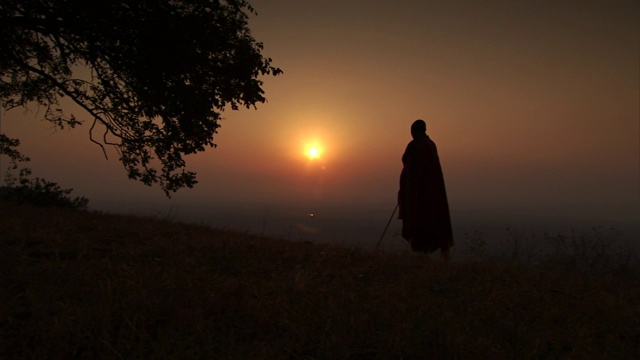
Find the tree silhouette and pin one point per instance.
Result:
(153, 75)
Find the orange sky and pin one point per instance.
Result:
(531, 105)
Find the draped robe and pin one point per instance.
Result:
(422, 199)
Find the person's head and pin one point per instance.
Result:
(419, 127)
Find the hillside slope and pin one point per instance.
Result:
(88, 285)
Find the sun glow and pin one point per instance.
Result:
(315, 146)
(313, 152)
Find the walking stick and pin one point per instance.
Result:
(386, 227)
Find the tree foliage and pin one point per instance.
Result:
(154, 76)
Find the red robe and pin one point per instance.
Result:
(422, 199)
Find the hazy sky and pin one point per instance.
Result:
(531, 104)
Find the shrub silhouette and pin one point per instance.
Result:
(23, 188)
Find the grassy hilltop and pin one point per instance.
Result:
(79, 285)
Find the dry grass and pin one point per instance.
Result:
(96, 286)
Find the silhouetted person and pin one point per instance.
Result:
(422, 199)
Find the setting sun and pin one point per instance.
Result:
(313, 152)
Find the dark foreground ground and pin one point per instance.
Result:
(78, 285)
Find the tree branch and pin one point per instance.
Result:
(104, 151)
(66, 91)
